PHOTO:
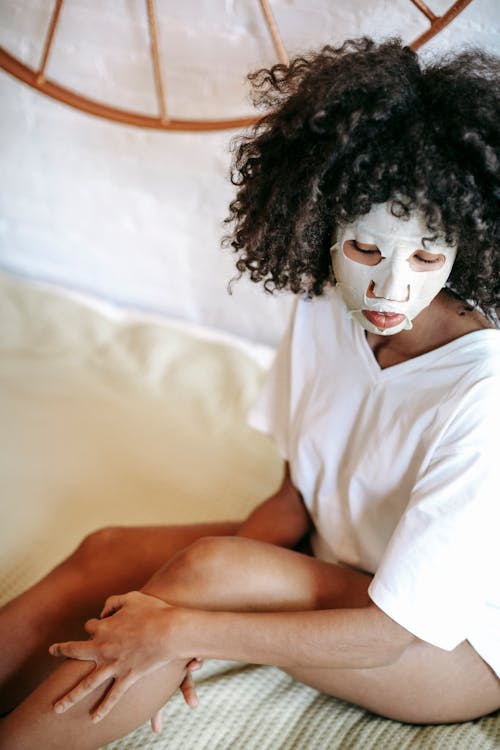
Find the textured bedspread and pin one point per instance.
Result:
(111, 421)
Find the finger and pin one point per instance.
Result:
(188, 690)
(157, 722)
(116, 691)
(86, 686)
(91, 626)
(83, 650)
(194, 664)
(113, 604)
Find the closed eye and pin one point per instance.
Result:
(422, 261)
(361, 252)
(426, 260)
(367, 250)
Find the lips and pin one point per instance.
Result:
(383, 320)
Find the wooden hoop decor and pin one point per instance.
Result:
(37, 80)
(438, 23)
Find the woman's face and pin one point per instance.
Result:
(386, 273)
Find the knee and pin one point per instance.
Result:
(202, 560)
(95, 548)
(195, 571)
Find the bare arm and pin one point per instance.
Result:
(152, 634)
(349, 638)
(282, 519)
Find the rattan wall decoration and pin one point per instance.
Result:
(37, 79)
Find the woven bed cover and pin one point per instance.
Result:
(108, 419)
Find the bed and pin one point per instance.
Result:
(110, 417)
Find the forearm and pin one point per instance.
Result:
(348, 638)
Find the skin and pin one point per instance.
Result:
(207, 592)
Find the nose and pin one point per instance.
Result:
(391, 287)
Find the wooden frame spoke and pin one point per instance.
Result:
(37, 80)
(438, 23)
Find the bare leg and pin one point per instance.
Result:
(34, 724)
(202, 576)
(425, 686)
(297, 582)
(109, 561)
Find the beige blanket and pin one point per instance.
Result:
(112, 422)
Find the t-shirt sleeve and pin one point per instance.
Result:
(271, 412)
(434, 571)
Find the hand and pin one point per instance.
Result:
(187, 689)
(124, 647)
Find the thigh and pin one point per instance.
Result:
(427, 685)
(240, 574)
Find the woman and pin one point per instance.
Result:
(383, 401)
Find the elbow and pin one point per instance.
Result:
(380, 653)
(390, 653)
(392, 639)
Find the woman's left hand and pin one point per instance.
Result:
(188, 690)
(124, 646)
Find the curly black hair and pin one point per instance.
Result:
(367, 123)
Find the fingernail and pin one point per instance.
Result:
(96, 718)
(59, 708)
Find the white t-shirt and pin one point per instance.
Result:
(397, 467)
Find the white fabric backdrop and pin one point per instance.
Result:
(135, 216)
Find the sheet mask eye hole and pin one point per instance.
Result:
(425, 261)
(362, 253)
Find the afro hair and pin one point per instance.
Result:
(367, 123)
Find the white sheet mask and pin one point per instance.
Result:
(398, 288)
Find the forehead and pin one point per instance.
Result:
(381, 221)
